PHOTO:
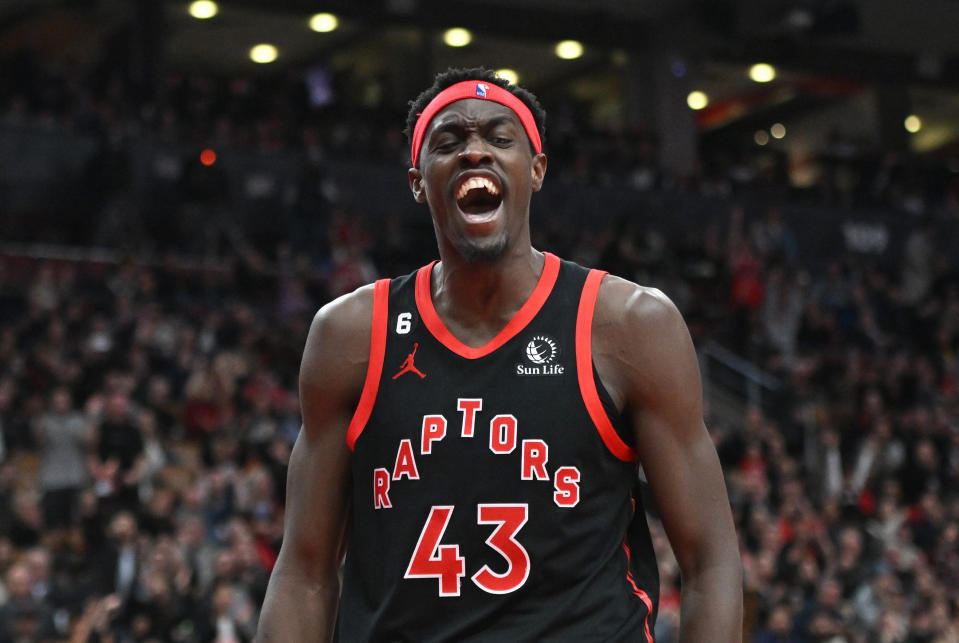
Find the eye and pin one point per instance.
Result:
(445, 143)
(501, 141)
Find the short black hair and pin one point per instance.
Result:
(455, 75)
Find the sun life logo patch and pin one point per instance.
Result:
(541, 350)
(541, 354)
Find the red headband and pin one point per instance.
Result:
(474, 89)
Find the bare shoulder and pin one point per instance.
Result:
(337, 351)
(641, 343)
(345, 318)
(639, 313)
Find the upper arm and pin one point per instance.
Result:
(332, 373)
(646, 358)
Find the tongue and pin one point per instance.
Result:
(478, 201)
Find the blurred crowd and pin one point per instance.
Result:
(148, 403)
(147, 418)
(147, 413)
(845, 483)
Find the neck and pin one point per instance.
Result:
(477, 299)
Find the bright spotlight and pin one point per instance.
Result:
(203, 9)
(324, 22)
(263, 53)
(569, 49)
(697, 100)
(762, 72)
(508, 75)
(913, 123)
(778, 130)
(457, 37)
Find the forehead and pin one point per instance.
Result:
(473, 111)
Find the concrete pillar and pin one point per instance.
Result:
(656, 85)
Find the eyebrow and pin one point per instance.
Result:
(458, 122)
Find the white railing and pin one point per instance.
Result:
(731, 383)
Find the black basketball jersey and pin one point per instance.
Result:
(493, 487)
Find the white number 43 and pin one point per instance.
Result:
(444, 563)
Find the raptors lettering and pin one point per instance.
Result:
(503, 440)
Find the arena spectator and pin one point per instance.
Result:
(63, 436)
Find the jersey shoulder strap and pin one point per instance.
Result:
(374, 369)
(584, 369)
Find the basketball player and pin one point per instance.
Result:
(472, 432)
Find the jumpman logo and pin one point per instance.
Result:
(408, 364)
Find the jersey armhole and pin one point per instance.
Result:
(584, 370)
(374, 369)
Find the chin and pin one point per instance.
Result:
(492, 250)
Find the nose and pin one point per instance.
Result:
(474, 151)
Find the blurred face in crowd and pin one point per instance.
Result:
(61, 401)
(190, 533)
(117, 408)
(830, 593)
(225, 564)
(7, 553)
(19, 581)
(157, 587)
(38, 560)
(158, 390)
(123, 527)
(222, 599)
(780, 621)
(850, 542)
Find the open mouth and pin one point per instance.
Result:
(478, 195)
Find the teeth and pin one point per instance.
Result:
(474, 183)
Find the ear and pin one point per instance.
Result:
(538, 171)
(416, 185)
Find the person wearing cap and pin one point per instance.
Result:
(474, 432)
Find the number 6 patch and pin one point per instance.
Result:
(404, 323)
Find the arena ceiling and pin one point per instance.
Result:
(826, 51)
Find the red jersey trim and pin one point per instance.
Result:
(381, 293)
(424, 303)
(643, 596)
(584, 369)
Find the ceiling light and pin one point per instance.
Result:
(762, 72)
(324, 22)
(569, 49)
(508, 75)
(697, 100)
(203, 9)
(263, 53)
(778, 130)
(913, 123)
(457, 37)
(761, 137)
